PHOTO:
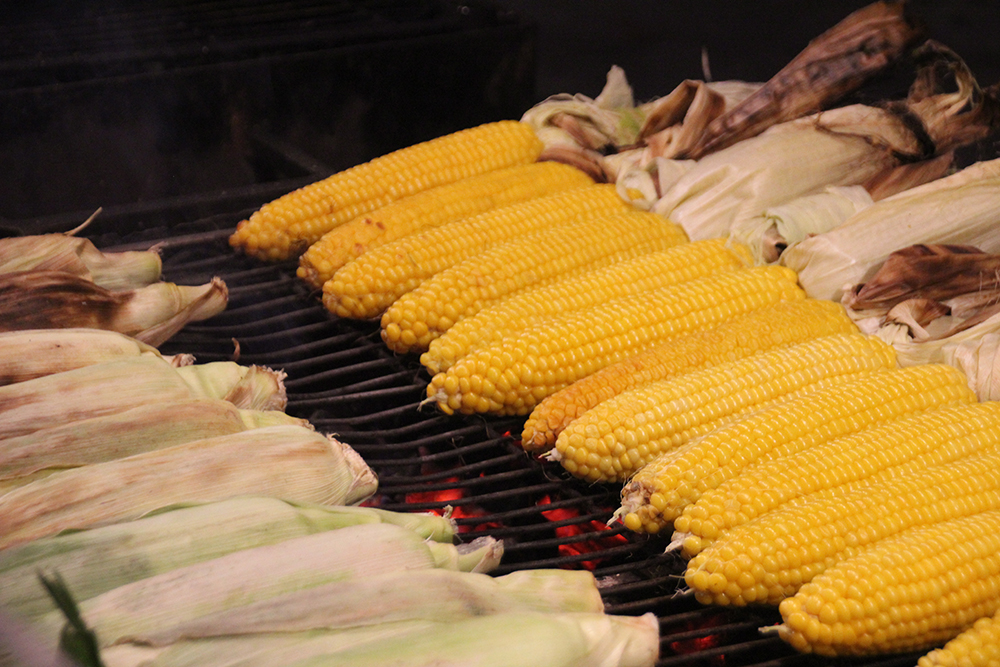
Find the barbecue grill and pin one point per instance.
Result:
(334, 64)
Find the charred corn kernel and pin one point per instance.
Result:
(511, 376)
(619, 436)
(891, 449)
(783, 323)
(535, 260)
(632, 276)
(977, 646)
(769, 558)
(675, 482)
(909, 592)
(285, 227)
(432, 208)
(364, 287)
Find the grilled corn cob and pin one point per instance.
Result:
(114, 271)
(977, 646)
(285, 227)
(97, 560)
(619, 436)
(771, 557)
(514, 374)
(535, 260)
(891, 449)
(671, 482)
(287, 461)
(781, 324)
(366, 286)
(631, 276)
(908, 592)
(432, 208)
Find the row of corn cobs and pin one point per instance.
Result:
(799, 463)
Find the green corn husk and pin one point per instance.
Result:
(151, 314)
(249, 576)
(32, 353)
(115, 386)
(289, 461)
(59, 252)
(140, 429)
(97, 560)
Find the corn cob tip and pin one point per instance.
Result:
(309, 275)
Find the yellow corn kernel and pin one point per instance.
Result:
(977, 646)
(616, 438)
(906, 593)
(365, 287)
(431, 208)
(781, 324)
(511, 376)
(285, 227)
(672, 482)
(769, 558)
(535, 260)
(632, 276)
(891, 449)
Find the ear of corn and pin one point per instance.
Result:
(115, 386)
(433, 208)
(535, 260)
(284, 228)
(97, 560)
(140, 429)
(366, 286)
(79, 256)
(769, 558)
(977, 646)
(150, 314)
(783, 323)
(661, 490)
(631, 276)
(909, 592)
(511, 376)
(619, 436)
(889, 450)
(288, 461)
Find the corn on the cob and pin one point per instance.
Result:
(287, 461)
(366, 286)
(889, 450)
(978, 646)
(115, 386)
(97, 560)
(905, 593)
(139, 429)
(433, 208)
(535, 260)
(663, 488)
(627, 277)
(246, 576)
(150, 314)
(114, 271)
(285, 227)
(619, 436)
(511, 376)
(781, 324)
(770, 558)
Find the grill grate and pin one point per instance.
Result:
(345, 381)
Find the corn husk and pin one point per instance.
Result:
(114, 271)
(960, 209)
(140, 429)
(288, 461)
(100, 559)
(152, 314)
(115, 386)
(250, 576)
(32, 353)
